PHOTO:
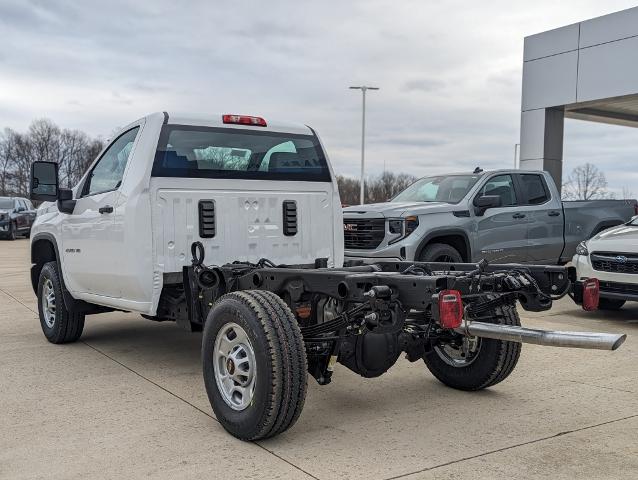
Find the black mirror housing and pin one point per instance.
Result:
(484, 202)
(44, 181)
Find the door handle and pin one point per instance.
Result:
(553, 213)
(106, 209)
(518, 215)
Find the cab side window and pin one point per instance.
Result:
(503, 186)
(534, 188)
(108, 172)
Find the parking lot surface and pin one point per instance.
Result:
(127, 401)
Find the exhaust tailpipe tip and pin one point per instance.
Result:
(619, 342)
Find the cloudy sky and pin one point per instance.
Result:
(449, 73)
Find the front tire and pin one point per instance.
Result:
(59, 325)
(13, 231)
(440, 252)
(610, 304)
(487, 363)
(254, 364)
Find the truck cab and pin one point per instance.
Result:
(244, 187)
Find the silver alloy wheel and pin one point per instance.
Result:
(235, 367)
(460, 355)
(48, 303)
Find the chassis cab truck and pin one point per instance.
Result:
(232, 224)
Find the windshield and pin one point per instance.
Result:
(203, 152)
(449, 189)
(6, 203)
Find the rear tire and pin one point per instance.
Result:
(440, 252)
(254, 363)
(493, 362)
(610, 303)
(59, 325)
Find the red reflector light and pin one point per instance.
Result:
(591, 294)
(450, 309)
(244, 120)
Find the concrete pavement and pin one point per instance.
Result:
(128, 401)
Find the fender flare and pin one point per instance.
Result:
(70, 303)
(443, 232)
(604, 225)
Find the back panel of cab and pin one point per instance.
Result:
(249, 221)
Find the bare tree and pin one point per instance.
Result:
(378, 189)
(586, 182)
(627, 192)
(73, 150)
(7, 160)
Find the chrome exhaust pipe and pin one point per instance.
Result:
(600, 341)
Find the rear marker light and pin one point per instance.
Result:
(244, 120)
(450, 309)
(591, 294)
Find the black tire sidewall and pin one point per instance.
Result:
(243, 423)
(12, 231)
(496, 359)
(457, 377)
(49, 271)
(435, 250)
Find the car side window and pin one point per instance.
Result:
(503, 186)
(534, 188)
(108, 172)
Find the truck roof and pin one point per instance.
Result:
(215, 120)
(485, 172)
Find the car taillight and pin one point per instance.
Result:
(450, 309)
(591, 294)
(244, 120)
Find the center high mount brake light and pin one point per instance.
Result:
(244, 120)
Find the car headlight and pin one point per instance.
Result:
(581, 249)
(402, 227)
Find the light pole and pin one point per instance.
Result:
(363, 89)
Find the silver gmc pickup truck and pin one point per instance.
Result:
(501, 216)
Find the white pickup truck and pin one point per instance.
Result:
(259, 201)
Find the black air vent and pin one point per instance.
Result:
(207, 218)
(290, 218)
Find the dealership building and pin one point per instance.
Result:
(587, 71)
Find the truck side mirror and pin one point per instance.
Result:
(44, 181)
(484, 202)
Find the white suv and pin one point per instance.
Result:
(612, 258)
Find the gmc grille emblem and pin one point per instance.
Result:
(350, 227)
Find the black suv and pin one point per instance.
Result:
(16, 217)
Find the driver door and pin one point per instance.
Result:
(502, 231)
(92, 236)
